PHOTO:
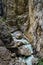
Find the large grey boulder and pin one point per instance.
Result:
(4, 56)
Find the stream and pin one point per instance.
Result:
(29, 59)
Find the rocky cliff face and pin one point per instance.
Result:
(17, 13)
(25, 16)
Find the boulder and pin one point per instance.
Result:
(17, 35)
(16, 44)
(22, 50)
(4, 56)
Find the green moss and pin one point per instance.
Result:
(40, 62)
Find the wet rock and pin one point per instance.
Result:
(17, 35)
(16, 44)
(22, 50)
(19, 61)
(20, 40)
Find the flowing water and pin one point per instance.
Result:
(28, 60)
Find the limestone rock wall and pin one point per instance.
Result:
(27, 16)
(17, 13)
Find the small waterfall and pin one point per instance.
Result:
(28, 60)
(29, 47)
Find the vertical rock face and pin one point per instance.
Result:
(22, 18)
(39, 20)
(11, 7)
(24, 15)
(17, 12)
(20, 6)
